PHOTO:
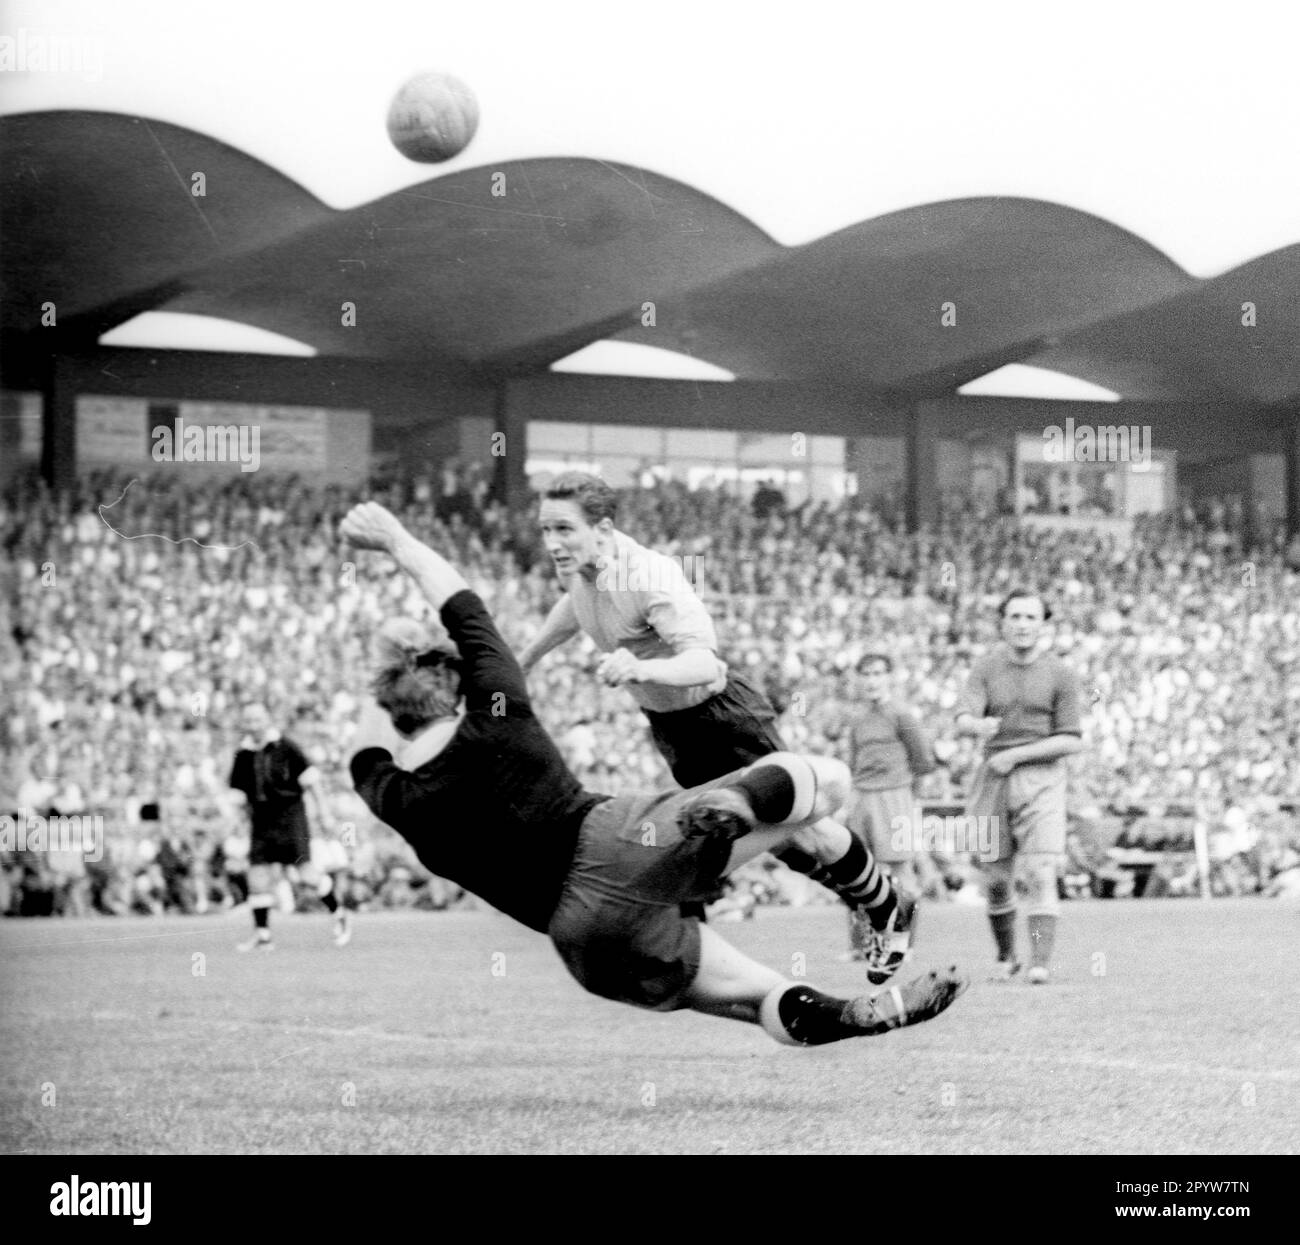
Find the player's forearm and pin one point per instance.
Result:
(968, 724)
(920, 754)
(1048, 749)
(559, 628)
(694, 668)
(431, 572)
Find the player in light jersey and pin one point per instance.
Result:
(1024, 703)
(660, 644)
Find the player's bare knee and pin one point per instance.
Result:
(834, 785)
(825, 839)
(999, 886)
(1040, 873)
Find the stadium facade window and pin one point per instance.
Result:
(21, 427)
(877, 467)
(630, 439)
(827, 451)
(802, 467)
(1085, 490)
(702, 446)
(770, 449)
(557, 438)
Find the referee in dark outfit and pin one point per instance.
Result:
(275, 779)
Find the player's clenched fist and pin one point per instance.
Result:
(370, 526)
(1001, 763)
(618, 667)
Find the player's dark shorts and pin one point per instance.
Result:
(730, 730)
(293, 848)
(617, 925)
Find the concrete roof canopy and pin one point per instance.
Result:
(100, 218)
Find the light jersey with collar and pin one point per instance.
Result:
(640, 600)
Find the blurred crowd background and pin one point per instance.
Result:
(139, 616)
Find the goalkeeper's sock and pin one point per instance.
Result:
(802, 1016)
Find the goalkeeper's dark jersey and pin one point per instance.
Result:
(498, 810)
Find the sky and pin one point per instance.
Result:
(1178, 122)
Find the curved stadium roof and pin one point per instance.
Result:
(99, 217)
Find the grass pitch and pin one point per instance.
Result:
(1171, 1027)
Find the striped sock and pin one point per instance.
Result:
(859, 881)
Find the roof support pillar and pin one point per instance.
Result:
(1291, 454)
(59, 421)
(922, 468)
(509, 447)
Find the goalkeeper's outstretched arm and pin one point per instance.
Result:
(371, 526)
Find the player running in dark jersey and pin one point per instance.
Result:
(492, 806)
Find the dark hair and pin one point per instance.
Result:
(1016, 593)
(595, 498)
(868, 659)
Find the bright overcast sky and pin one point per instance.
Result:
(1178, 122)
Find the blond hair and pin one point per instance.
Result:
(417, 674)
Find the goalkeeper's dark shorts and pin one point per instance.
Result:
(617, 925)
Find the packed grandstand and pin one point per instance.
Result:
(144, 613)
